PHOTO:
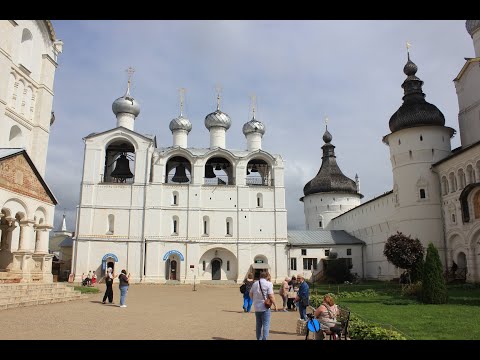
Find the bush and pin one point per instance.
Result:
(434, 288)
(416, 274)
(403, 251)
(316, 300)
(361, 330)
(337, 270)
(413, 290)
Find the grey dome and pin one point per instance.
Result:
(126, 104)
(415, 111)
(330, 178)
(180, 123)
(218, 119)
(253, 126)
(472, 26)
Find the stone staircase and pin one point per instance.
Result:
(28, 294)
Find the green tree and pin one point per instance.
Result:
(416, 272)
(403, 251)
(434, 289)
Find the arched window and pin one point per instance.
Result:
(461, 178)
(422, 193)
(206, 225)
(119, 162)
(470, 175)
(229, 226)
(444, 186)
(15, 138)
(175, 198)
(453, 218)
(452, 182)
(320, 222)
(175, 225)
(26, 46)
(111, 224)
(259, 200)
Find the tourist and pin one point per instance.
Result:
(284, 292)
(247, 300)
(94, 278)
(292, 293)
(302, 297)
(260, 290)
(274, 303)
(124, 283)
(327, 314)
(109, 283)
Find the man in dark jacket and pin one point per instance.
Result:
(302, 297)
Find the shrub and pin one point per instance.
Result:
(403, 251)
(416, 273)
(361, 330)
(434, 287)
(336, 270)
(413, 290)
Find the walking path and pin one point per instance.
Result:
(153, 312)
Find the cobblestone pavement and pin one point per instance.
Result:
(153, 312)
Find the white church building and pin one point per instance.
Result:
(180, 213)
(28, 60)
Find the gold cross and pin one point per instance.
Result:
(253, 99)
(218, 89)
(182, 92)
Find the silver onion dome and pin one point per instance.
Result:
(253, 126)
(126, 104)
(180, 123)
(472, 26)
(218, 119)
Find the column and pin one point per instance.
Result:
(27, 236)
(472, 273)
(9, 232)
(41, 241)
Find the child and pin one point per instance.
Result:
(94, 278)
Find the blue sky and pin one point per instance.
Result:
(300, 72)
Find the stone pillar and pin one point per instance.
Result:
(9, 232)
(472, 271)
(41, 241)
(27, 236)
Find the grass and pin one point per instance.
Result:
(457, 320)
(86, 289)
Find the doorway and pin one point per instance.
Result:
(111, 264)
(173, 270)
(216, 269)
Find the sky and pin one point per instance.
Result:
(300, 72)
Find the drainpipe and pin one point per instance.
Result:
(143, 245)
(75, 240)
(186, 237)
(275, 224)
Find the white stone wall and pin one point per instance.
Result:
(26, 94)
(326, 206)
(144, 213)
(461, 237)
(468, 93)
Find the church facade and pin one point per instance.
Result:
(28, 60)
(179, 213)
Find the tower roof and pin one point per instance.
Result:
(472, 26)
(415, 111)
(330, 178)
(126, 104)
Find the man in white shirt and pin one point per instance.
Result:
(260, 290)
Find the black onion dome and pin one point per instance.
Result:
(330, 178)
(415, 111)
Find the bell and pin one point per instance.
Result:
(254, 168)
(218, 167)
(122, 169)
(180, 175)
(209, 174)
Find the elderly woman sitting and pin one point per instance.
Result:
(327, 314)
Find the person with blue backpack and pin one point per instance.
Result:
(245, 288)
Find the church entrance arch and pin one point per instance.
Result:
(216, 266)
(108, 260)
(172, 260)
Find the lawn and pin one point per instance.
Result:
(457, 320)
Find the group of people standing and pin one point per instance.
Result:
(124, 282)
(295, 293)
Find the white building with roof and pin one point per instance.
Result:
(28, 60)
(435, 194)
(177, 213)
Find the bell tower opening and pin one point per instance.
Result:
(178, 170)
(218, 171)
(119, 162)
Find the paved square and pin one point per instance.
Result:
(153, 312)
